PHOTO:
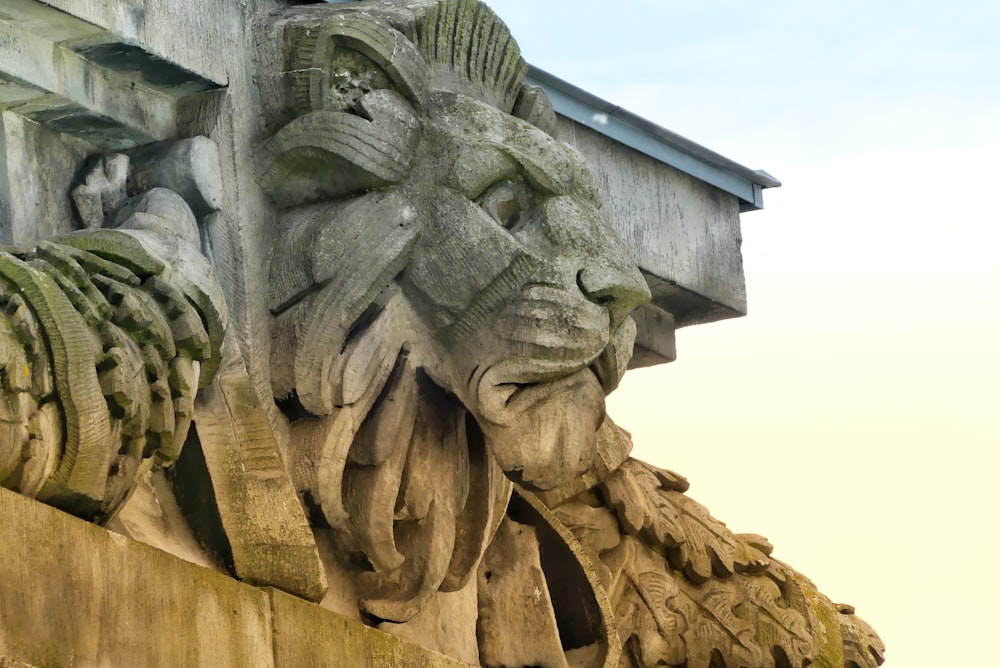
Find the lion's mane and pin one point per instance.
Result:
(393, 462)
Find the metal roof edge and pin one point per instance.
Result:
(655, 141)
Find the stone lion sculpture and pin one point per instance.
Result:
(448, 311)
(448, 302)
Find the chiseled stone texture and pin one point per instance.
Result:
(75, 594)
(307, 635)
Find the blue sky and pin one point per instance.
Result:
(889, 70)
(851, 416)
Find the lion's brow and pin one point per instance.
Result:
(551, 176)
(544, 160)
(478, 169)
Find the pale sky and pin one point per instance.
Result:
(852, 416)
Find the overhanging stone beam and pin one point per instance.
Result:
(79, 79)
(676, 205)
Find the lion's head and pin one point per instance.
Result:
(440, 254)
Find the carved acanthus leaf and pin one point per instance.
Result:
(778, 624)
(719, 630)
(649, 502)
(101, 363)
(745, 609)
(862, 646)
(649, 624)
(743, 620)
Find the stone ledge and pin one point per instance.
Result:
(75, 594)
(78, 79)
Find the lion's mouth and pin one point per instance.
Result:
(506, 390)
(519, 383)
(541, 416)
(604, 368)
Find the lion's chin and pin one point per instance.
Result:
(545, 434)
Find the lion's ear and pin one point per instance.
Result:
(347, 125)
(329, 154)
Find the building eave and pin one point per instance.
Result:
(655, 141)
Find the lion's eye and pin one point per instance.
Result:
(508, 202)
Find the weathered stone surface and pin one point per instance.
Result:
(36, 166)
(189, 167)
(116, 345)
(269, 537)
(199, 39)
(513, 592)
(428, 307)
(687, 591)
(307, 635)
(446, 622)
(482, 288)
(684, 234)
(654, 337)
(87, 612)
(74, 594)
(152, 516)
(73, 77)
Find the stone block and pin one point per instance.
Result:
(36, 166)
(655, 342)
(200, 40)
(308, 635)
(75, 594)
(87, 82)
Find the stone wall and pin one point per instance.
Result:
(75, 594)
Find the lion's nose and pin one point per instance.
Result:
(618, 287)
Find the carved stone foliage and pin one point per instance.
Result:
(106, 336)
(449, 306)
(687, 591)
